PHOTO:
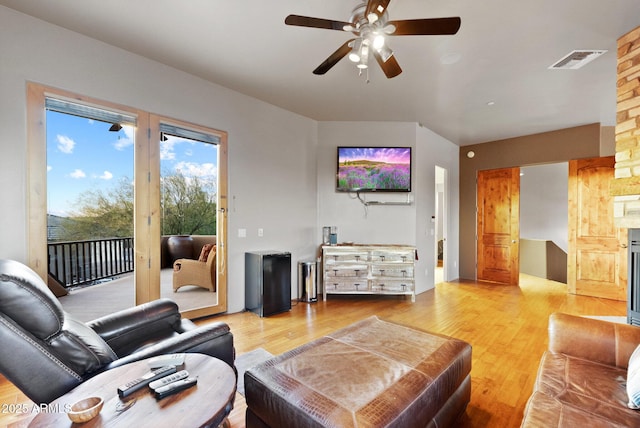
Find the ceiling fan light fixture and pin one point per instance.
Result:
(389, 29)
(370, 24)
(356, 50)
(385, 53)
(364, 57)
(378, 41)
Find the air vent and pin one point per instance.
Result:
(576, 59)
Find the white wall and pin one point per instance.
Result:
(432, 150)
(544, 203)
(410, 225)
(281, 165)
(272, 169)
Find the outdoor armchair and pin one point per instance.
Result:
(201, 272)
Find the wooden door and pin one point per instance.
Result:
(499, 226)
(597, 259)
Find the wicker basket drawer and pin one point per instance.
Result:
(334, 257)
(346, 271)
(391, 286)
(392, 271)
(396, 256)
(346, 285)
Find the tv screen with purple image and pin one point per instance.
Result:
(369, 169)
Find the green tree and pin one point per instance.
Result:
(102, 214)
(188, 208)
(188, 205)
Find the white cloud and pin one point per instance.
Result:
(166, 150)
(123, 143)
(106, 175)
(65, 144)
(49, 168)
(78, 173)
(202, 170)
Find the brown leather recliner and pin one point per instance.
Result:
(46, 352)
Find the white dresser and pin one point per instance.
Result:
(368, 269)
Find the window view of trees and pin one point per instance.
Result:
(188, 208)
(101, 214)
(90, 184)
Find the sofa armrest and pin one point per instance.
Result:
(592, 339)
(138, 324)
(214, 339)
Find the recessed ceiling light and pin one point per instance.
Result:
(491, 103)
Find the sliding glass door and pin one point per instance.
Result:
(109, 186)
(190, 196)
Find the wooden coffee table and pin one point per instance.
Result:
(205, 405)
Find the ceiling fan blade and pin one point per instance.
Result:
(307, 21)
(390, 67)
(377, 7)
(425, 27)
(334, 58)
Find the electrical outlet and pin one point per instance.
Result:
(261, 232)
(242, 233)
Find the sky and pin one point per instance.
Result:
(82, 155)
(401, 155)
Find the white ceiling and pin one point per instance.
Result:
(503, 50)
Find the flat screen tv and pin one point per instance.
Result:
(374, 169)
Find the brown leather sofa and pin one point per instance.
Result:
(582, 377)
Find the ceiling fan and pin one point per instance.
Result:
(370, 24)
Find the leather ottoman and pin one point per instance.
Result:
(372, 373)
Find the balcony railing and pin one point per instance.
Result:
(74, 263)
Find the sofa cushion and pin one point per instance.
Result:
(546, 411)
(572, 392)
(633, 380)
(204, 253)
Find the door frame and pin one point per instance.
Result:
(442, 221)
(146, 196)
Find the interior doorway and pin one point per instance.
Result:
(439, 221)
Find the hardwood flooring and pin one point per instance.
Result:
(506, 325)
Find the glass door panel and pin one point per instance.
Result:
(189, 206)
(90, 245)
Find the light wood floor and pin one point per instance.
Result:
(506, 325)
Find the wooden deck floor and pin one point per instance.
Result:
(506, 325)
(95, 301)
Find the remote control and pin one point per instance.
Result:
(169, 379)
(166, 360)
(172, 388)
(146, 379)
